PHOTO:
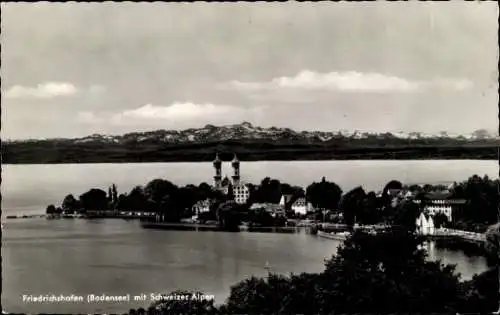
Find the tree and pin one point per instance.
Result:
(493, 247)
(70, 204)
(186, 197)
(192, 303)
(137, 199)
(230, 192)
(482, 200)
(406, 214)
(228, 216)
(351, 203)
(114, 194)
(415, 188)
(157, 189)
(259, 296)
(122, 202)
(393, 184)
(325, 195)
(481, 293)
(386, 197)
(110, 195)
(386, 273)
(51, 209)
(440, 220)
(260, 217)
(269, 191)
(369, 212)
(94, 199)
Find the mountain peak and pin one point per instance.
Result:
(246, 124)
(247, 131)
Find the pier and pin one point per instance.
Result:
(472, 237)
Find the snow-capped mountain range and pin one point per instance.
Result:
(247, 131)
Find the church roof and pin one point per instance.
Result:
(286, 199)
(235, 159)
(217, 159)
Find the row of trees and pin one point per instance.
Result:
(384, 274)
(482, 198)
(175, 202)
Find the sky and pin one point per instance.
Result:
(74, 69)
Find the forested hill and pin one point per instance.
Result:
(251, 143)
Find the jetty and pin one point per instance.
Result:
(180, 226)
(26, 216)
(445, 234)
(341, 236)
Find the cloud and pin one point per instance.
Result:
(460, 84)
(89, 118)
(350, 81)
(97, 89)
(178, 112)
(41, 91)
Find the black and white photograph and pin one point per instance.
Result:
(250, 158)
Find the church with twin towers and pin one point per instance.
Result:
(240, 189)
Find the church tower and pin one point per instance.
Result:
(236, 168)
(218, 171)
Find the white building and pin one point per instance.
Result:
(440, 202)
(300, 206)
(285, 199)
(439, 207)
(425, 224)
(202, 206)
(241, 193)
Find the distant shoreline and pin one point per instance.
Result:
(27, 154)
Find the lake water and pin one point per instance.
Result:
(117, 257)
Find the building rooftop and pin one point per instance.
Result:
(300, 200)
(217, 159)
(438, 195)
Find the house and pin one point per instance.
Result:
(241, 193)
(440, 202)
(300, 206)
(425, 224)
(285, 201)
(202, 206)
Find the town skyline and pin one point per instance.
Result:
(379, 67)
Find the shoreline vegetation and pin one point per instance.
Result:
(68, 151)
(166, 202)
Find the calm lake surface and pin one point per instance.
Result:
(117, 257)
